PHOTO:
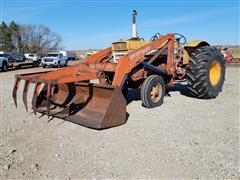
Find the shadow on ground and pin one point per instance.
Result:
(134, 94)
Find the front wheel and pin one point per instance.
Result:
(4, 66)
(206, 72)
(153, 91)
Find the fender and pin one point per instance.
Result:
(197, 43)
(190, 47)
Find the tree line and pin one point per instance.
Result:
(28, 38)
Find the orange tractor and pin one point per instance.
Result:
(93, 92)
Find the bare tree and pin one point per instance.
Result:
(38, 39)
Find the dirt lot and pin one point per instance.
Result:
(185, 137)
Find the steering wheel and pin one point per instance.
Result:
(181, 39)
(155, 37)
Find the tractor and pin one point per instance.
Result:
(93, 93)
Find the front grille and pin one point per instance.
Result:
(120, 46)
(48, 60)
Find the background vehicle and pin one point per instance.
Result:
(16, 60)
(71, 55)
(26, 55)
(8, 56)
(34, 57)
(19, 57)
(90, 53)
(228, 56)
(149, 66)
(57, 59)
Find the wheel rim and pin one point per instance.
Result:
(215, 73)
(4, 67)
(155, 93)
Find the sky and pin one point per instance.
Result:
(95, 24)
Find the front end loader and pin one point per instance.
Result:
(93, 92)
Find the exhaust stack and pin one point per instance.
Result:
(134, 25)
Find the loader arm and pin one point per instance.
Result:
(134, 58)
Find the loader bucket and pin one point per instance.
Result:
(90, 105)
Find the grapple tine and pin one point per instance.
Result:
(49, 90)
(14, 94)
(35, 95)
(24, 96)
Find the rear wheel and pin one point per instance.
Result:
(206, 72)
(153, 91)
(66, 62)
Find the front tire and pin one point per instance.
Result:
(4, 66)
(206, 72)
(153, 91)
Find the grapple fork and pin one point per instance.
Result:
(71, 97)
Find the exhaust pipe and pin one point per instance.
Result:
(134, 25)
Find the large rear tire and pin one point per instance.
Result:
(206, 72)
(153, 91)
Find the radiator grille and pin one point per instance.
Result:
(48, 60)
(120, 46)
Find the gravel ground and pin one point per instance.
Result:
(183, 138)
